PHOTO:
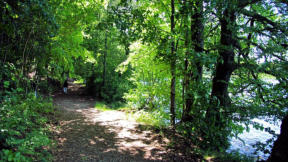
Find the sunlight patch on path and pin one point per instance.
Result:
(113, 133)
(128, 139)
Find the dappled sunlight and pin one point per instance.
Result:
(143, 80)
(61, 141)
(110, 150)
(92, 142)
(99, 139)
(87, 134)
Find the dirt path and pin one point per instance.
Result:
(87, 134)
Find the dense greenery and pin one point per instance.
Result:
(24, 133)
(205, 67)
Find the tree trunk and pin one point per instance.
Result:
(173, 68)
(196, 43)
(127, 50)
(219, 96)
(225, 65)
(216, 134)
(186, 81)
(280, 148)
(104, 61)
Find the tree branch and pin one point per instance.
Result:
(263, 19)
(244, 3)
(283, 1)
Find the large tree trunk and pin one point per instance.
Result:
(216, 122)
(280, 149)
(196, 43)
(173, 68)
(225, 66)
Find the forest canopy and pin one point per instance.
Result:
(203, 67)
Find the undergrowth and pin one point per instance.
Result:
(24, 134)
(110, 107)
(155, 118)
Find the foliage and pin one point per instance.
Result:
(24, 134)
(104, 41)
(156, 118)
(243, 94)
(110, 107)
(151, 77)
(226, 60)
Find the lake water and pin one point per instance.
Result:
(252, 137)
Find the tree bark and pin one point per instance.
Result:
(280, 148)
(225, 65)
(104, 61)
(196, 44)
(173, 68)
(216, 122)
(186, 80)
(127, 50)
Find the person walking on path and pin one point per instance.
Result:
(65, 86)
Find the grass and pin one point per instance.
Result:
(154, 118)
(80, 81)
(102, 106)
(111, 107)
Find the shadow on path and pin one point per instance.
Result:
(86, 134)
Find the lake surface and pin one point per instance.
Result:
(252, 137)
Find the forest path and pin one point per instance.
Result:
(87, 134)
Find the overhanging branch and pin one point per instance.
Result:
(244, 3)
(264, 20)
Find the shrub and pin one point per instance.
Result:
(23, 130)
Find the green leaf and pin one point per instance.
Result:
(6, 84)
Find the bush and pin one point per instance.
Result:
(24, 134)
(156, 118)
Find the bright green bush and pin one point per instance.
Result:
(23, 130)
(155, 118)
